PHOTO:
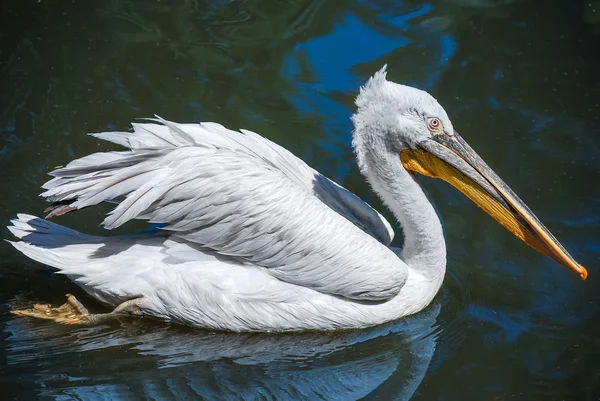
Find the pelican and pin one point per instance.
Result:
(250, 238)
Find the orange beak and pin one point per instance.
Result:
(450, 158)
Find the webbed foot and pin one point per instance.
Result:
(73, 312)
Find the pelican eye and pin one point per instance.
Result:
(434, 125)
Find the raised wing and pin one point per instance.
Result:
(242, 196)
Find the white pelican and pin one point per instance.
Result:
(253, 239)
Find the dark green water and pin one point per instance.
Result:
(520, 81)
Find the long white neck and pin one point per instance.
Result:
(424, 244)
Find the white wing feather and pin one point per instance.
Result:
(240, 195)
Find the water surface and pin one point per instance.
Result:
(519, 80)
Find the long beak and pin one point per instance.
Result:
(450, 158)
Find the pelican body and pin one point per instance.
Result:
(251, 238)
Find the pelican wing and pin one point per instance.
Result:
(240, 195)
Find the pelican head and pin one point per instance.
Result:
(407, 126)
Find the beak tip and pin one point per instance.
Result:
(583, 274)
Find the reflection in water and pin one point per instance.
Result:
(169, 361)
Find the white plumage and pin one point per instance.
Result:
(252, 238)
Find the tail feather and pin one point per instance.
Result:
(40, 232)
(48, 242)
(95, 263)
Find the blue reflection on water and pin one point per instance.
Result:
(334, 60)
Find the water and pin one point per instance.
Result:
(519, 80)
